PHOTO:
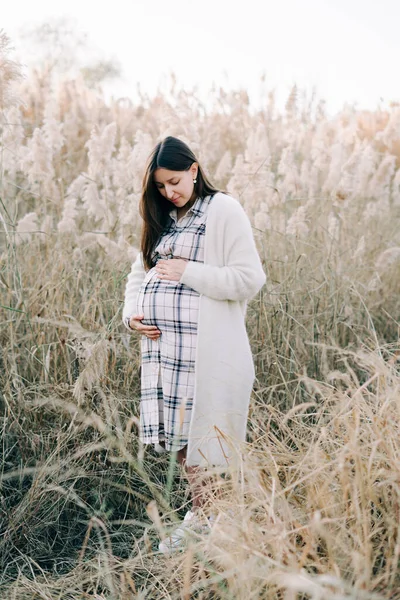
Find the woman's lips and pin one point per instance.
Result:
(174, 200)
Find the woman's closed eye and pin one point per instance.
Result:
(161, 185)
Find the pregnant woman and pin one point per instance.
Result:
(186, 295)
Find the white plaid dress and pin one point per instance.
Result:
(168, 364)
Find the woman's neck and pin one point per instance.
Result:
(181, 212)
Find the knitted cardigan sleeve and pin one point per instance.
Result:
(242, 275)
(134, 281)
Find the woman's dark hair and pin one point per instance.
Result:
(174, 155)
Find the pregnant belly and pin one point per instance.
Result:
(169, 305)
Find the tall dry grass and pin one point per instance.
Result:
(316, 503)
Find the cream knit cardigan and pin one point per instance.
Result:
(230, 275)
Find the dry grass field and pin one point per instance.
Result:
(314, 513)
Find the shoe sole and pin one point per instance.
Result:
(181, 545)
(164, 549)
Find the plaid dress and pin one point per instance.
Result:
(168, 364)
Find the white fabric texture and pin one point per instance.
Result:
(224, 374)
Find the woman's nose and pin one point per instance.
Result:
(169, 192)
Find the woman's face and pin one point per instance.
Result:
(176, 186)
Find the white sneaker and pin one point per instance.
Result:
(177, 539)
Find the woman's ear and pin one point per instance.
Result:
(194, 169)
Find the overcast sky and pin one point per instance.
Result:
(348, 49)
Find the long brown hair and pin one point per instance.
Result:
(174, 155)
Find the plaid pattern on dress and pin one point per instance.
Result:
(168, 364)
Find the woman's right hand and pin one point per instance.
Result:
(150, 331)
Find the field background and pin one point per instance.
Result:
(316, 508)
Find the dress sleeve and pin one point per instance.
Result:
(134, 281)
(242, 275)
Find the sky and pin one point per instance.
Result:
(348, 50)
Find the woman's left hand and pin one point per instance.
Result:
(171, 269)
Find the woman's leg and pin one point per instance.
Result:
(195, 480)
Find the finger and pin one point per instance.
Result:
(142, 327)
(145, 332)
(169, 277)
(136, 320)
